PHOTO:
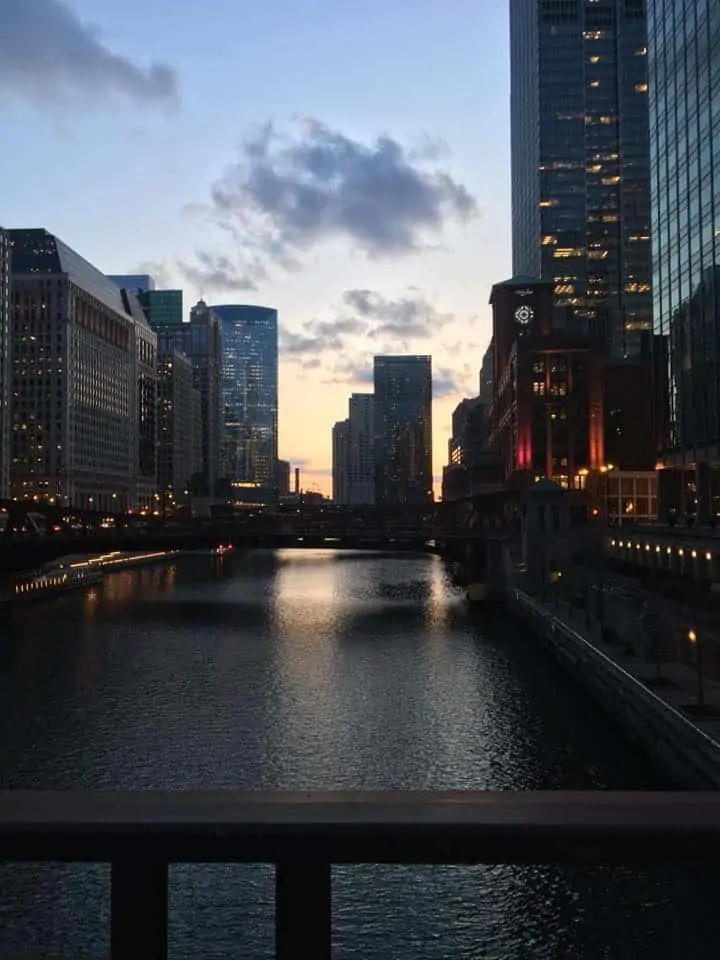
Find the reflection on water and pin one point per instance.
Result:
(325, 670)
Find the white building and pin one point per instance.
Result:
(75, 370)
(5, 386)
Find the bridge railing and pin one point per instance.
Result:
(303, 835)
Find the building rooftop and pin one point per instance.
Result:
(520, 281)
(38, 252)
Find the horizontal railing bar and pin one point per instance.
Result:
(361, 827)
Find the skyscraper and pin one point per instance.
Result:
(403, 430)
(179, 449)
(134, 282)
(74, 377)
(340, 458)
(684, 46)
(162, 307)
(5, 368)
(580, 162)
(201, 341)
(250, 387)
(361, 450)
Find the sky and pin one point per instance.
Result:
(347, 164)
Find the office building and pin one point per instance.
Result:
(684, 66)
(361, 450)
(162, 307)
(134, 282)
(580, 163)
(559, 408)
(201, 341)
(485, 380)
(250, 387)
(179, 426)
(5, 368)
(403, 430)
(74, 379)
(145, 406)
(340, 433)
(546, 417)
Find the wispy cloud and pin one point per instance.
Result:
(217, 273)
(48, 53)
(411, 317)
(287, 193)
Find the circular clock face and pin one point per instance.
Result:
(524, 314)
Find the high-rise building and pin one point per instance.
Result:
(5, 368)
(580, 162)
(134, 282)
(74, 379)
(361, 450)
(250, 387)
(145, 412)
(179, 403)
(201, 341)
(162, 307)
(485, 380)
(684, 61)
(403, 430)
(340, 433)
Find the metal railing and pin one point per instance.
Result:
(304, 834)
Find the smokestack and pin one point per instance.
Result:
(297, 481)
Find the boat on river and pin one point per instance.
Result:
(58, 576)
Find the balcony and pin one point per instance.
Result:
(304, 834)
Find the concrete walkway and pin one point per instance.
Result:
(675, 683)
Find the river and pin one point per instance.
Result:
(319, 669)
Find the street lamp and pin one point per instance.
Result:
(694, 640)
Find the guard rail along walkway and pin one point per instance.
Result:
(304, 834)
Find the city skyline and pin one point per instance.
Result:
(352, 282)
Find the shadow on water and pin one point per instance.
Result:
(323, 670)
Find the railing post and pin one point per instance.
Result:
(303, 915)
(139, 910)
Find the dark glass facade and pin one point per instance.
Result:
(250, 386)
(684, 66)
(162, 306)
(5, 368)
(403, 430)
(580, 162)
(134, 282)
(201, 341)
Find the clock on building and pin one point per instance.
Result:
(524, 314)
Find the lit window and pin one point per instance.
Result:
(595, 59)
(562, 253)
(548, 203)
(641, 88)
(594, 83)
(549, 240)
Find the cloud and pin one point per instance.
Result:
(157, 269)
(288, 193)
(447, 383)
(410, 317)
(46, 51)
(215, 273)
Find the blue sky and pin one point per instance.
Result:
(347, 164)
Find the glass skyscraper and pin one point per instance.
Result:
(133, 282)
(250, 388)
(684, 62)
(403, 430)
(580, 162)
(5, 368)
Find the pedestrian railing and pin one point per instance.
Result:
(304, 834)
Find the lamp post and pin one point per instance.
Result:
(695, 640)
